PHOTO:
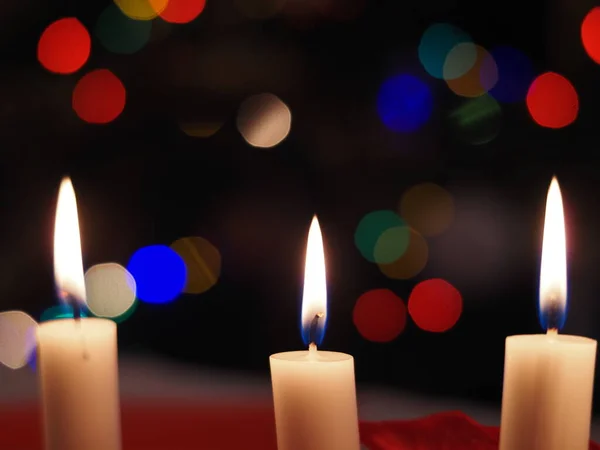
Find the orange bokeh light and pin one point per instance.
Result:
(379, 315)
(435, 305)
(590, 34)
(182, 11)
(64, 46)
(99, 97)
(552, 101)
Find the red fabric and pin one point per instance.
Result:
(166, 425)
(451, 430)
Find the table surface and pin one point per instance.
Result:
(143, 378)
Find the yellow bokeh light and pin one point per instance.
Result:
(200, 129)
(428, 208)
(142, 9)
(203, 263)
(412, 261)
(475, 82)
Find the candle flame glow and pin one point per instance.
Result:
(553, 271)
(68, 266)
(314, 297)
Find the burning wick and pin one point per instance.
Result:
(73, 303)
(312, 334)
(553, 315)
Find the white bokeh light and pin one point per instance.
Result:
(110, 290)
(17, 338)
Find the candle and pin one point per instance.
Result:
(77, 358)
(549, 378)
(313, 391)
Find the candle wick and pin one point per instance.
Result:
(72, 301)
(314, 325)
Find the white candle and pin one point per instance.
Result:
(77, 358)
(549, 378)
(314, 391)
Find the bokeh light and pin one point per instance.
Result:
(264, 120)
(127, 314)
(159, 273)
(460, 60)
(437, 43)
(474, 82)
(428, 208)
(590, 34)
(17, 338)
(121, 34)
(412, 262)
(404, 103)
(379, 315)
(510, 70)
(141, 9)
(435, 305)
(370, 236)
(259, 9)
(182, 11)
(552, 101)
(200, 129)
(110, 290)
(203, 263)
(61, 311)
(64, 47)
(477, 121)
(99, 97)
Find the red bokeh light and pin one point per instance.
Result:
(552, 101)
(99, 97)
(435, 305)
(64, 47)
(182, 11)
(379, 315)
(590, 34)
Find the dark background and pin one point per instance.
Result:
(141, 181)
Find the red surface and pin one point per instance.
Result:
(176, 426)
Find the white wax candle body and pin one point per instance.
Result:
(548, 389)
(77, 365)
(315, 400)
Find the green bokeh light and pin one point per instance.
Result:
(381, 236)
(477, 121)
(120, 34)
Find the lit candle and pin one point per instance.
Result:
(77, 358)
(549, 378)
(313, 391)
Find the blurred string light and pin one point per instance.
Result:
(552, 101)
(412, 261)
(590, 34)
(382, 237)
(182, 11)
(99, 97)
(200, 129)
(428, 208)
(110, 289)
(404, 103)
(17, 338)
(64, 46)
(264, 120)
(477, 121)
(119, 33)
(435, 305)
(141, 9)
(379, 315)
(159, 272)
(438, 42)
(474, 82)
(202, 261)
(512, 71)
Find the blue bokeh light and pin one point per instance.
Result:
(436, 43)
(159, 272)
(404, 103)
(515, 74)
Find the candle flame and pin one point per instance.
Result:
(68, 266)
(314, 298)
(553, 271)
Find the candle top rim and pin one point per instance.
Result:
(91, 326)
(564, 339)
(303, 357)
